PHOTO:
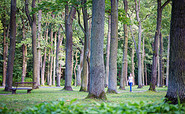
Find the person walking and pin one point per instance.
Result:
(130, 81)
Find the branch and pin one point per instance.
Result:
(79, 22)
(166, 3)
(27, 12)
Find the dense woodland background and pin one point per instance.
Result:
(51, 40)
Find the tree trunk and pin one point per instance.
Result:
(97, 71)
(112, 87)
(167, 66)
(123, 80)
(9, 76)
(44, 61)
(39, 39)
(48, 72)
(33, 25)
(5, 52)
(58, 69)
(146, 75)
(155, 51)
(108, 51)
(161, 61)
(143, 60)
(137, 4)
(85, 73)
(24, 53)
(176, 86)
(80, 69)
(51, 56)
(69, 32)
(76, 62)
(133, 64)
(54, 58)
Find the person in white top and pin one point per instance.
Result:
(130, 81)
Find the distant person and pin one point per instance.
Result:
(130, 81)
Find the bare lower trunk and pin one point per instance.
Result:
(54, 58)
(79, 69)
(51, 62)
(44, 61)
(133, 65)
(167, 64)
(112, 87)
(176, 86)
(161, 61)
(9, 76)
(69, 32)
(48, 71)
(142, 64)
(97, 71)
(146, 75)
(5, 52)
(24, 66)
(123, 80)
(108, 52)
(76, 62)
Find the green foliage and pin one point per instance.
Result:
(74, 107)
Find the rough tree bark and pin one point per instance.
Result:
(161, 61)
(9, 76)
(97, 71)
(69, 32)
(112, 87)
(176, 86)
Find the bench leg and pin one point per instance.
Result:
(29, 90)
(14, 91)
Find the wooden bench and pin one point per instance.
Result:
(23, 86)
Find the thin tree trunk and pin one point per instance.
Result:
(167, 66)
(54, 58)
(161, 61)
(76, 62)
(143, 60)
(9, 76)
(97, 71)
(44, 61)
(137, 4)
(108, 52)
(146, 75)
(39, 49)
(112, 87)
(123, 80)
(51, 56)
(48, 72)
(80, 68)
(133, 65)
(5, 52)
(85, 73)
(24, 53)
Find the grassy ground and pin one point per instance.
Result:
(48, 94)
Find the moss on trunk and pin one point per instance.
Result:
(101, 96)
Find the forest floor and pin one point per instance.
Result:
(21, 100)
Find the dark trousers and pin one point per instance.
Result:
(130, 86)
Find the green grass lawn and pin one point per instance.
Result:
(48, 94)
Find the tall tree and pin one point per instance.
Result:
(39, 39)
(137, 7)
(108, 52)
(112, 86)
(176, 86)
(161, 61)
(68, 31)
(155, 51)
(32, 22)
(97, 71)
(124, 65)
(9, 76)
(167, 63)
(85, 73)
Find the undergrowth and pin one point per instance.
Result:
(74, 107)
